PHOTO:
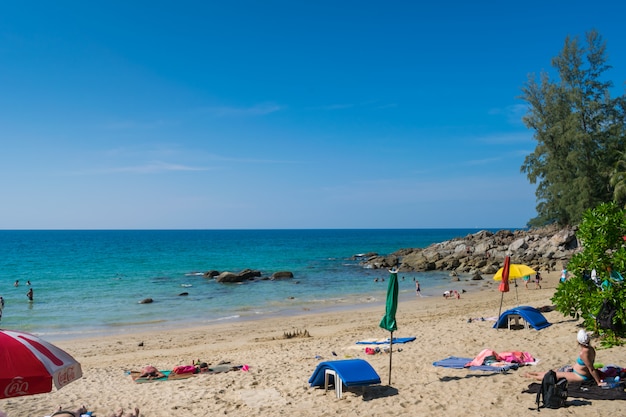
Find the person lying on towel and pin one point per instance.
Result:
(151, 372)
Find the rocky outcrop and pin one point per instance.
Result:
(282, 275)
(211, 274)
(228, 277)
(245, 275)
(248, 274)
(544, 249)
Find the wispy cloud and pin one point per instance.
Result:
(133, 124)
(158, 166)
(512, 113)
(484, 161)
(344, 106)
(508, 138)
(261, 109)
(155, 167)
(336, 107)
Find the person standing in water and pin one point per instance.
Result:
(418, 290)
(29, 294)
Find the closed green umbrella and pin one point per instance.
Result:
(389, 319)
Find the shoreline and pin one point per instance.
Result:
(346, 304)
(279, 368)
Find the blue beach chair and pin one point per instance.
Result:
(348, 372)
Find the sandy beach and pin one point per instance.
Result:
(276, 382)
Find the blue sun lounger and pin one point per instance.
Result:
(348, 372)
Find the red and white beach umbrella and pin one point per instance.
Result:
(29, 365)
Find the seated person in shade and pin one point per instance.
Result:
(151, 372)
(583, 369)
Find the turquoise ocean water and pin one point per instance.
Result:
(89, 283)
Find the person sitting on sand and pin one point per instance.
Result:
(583, 369)
(151, 372)
(452, 294)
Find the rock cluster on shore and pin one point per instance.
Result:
(245, 275)
(543, 249)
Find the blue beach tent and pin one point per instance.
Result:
(532, 316)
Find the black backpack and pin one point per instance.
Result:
(605, 316)
(553, 392)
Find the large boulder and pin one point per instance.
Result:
(247, 274)
(226, 276)
(282, 275)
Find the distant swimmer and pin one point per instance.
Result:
(29, 294)
(28, 283)
(17, 283)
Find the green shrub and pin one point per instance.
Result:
(601, 233)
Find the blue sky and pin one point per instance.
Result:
(276, 114)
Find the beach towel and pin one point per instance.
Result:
(489, 357)
(462, 363)
(587, 390)
(218, 369)
(169, 376)
(396, 340)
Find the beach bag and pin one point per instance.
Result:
(605, 316)
(553, 391)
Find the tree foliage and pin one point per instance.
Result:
(601, 233)
(580, 132)
(618, 180)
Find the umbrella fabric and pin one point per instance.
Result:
(29, 365)
(389, 320)
(515, 271)
(504, 284)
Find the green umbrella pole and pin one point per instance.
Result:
(390, 351)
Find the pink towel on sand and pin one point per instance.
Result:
(491, 356)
